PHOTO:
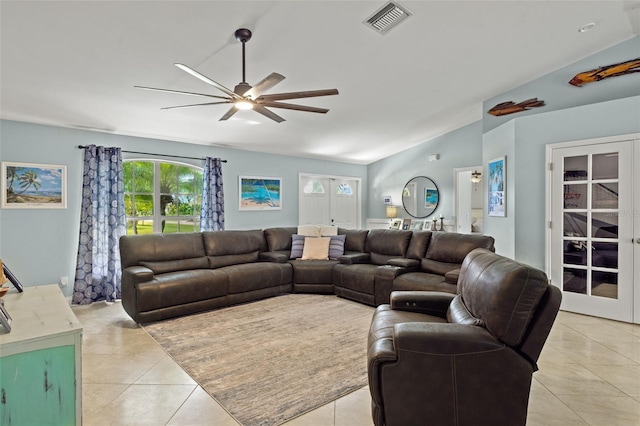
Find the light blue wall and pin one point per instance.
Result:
(40, 245)
(459, 148)
(497, 143)
(532, 134)
(558, 94)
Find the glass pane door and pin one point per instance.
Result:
(591, 244)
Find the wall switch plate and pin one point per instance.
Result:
(64, 281)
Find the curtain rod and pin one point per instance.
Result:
(159, 155)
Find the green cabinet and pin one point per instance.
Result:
(40, 360)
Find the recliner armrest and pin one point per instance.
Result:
(425, 302)
(353, 258)
(444, 339)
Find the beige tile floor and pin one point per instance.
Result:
(589, 375)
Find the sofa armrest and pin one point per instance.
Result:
(426, 302)
(383, 280)
(408, 264)
(452, 276)
(274, 256)
(137, 274)
(353, 258)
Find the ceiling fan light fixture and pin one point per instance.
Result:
(243, 104)
(476, 176)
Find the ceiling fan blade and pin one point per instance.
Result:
(297, 95)
(265, 84)
(195, 105)
(229, 113)
(272, 115)
(207, 80)
(294, 107)
(178, 91)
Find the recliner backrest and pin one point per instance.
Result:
(447, 250)
(502, 293)
(386, 244)
(165, 252)
(233, 247)
(279, 239)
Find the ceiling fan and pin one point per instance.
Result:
(245, 96)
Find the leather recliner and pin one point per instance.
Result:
(467, 359)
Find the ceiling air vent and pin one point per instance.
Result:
(387, 17)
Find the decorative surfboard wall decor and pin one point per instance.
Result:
(615, 70)
(511, 107)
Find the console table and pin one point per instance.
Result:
(41, 360)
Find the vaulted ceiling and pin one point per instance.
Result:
(74, 64)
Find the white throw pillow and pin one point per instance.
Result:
(309, 230)
(328, 231)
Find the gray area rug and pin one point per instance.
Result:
(269, 361)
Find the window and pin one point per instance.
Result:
(344, 189)
(162, 197)
(313, 187)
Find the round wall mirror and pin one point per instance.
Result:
(420, 197)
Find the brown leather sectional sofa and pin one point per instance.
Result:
(165, 276)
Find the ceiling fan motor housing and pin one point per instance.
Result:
(243, 35)
(241, 88)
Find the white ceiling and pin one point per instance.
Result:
(74, 64)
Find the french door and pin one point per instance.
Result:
(329, 200)
(592, 242)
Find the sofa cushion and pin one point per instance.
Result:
(418, 244)
(177, 265)
(422, 281)
(450, 247)
(359, 278)
(386, 244)
(316, 248)
(233, 247)
(160, 247)
(355, 239)
(181, 287)
(459, 314)
(437, 267)
(257, 276)
(279, 239)
(501, 292)
(316, 272)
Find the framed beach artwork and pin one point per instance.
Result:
(498, 187)
(260, 193)
(33, 186)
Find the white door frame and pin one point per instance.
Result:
(456, 203)
(303, 175)
(635, 178)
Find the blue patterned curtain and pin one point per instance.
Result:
(212, 213)
(102, 223)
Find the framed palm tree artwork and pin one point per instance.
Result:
(33, 186)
